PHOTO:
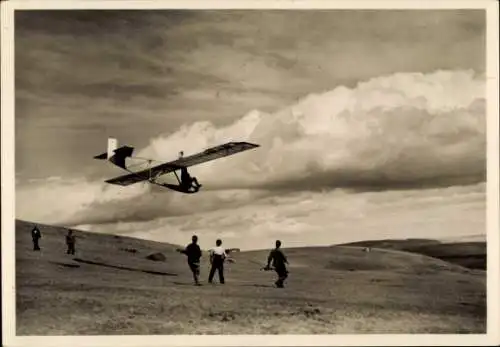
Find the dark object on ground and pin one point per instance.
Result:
(130, 250)
(157, 257)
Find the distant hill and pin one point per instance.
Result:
(122, 285)
(468, 254)
(24, 228)
(465, 238)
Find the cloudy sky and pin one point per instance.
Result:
(371, 123)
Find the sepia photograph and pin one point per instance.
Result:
(248, 171)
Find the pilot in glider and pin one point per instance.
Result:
(187, 183)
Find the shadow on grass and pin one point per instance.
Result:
(224, 285)
(65, 264)
(183, 284)
(124, 267)
(258, 285)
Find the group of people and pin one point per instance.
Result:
(218, 255)
(36, 235)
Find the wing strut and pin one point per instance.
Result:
(176, 176)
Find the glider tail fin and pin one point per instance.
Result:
(112, 146)
(115, 154)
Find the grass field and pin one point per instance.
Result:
(110, 287)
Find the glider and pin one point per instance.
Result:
(187, 184)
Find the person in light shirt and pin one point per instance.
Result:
(217, 257)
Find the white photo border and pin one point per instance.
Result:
(492, 337)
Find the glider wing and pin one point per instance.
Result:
(209, 154)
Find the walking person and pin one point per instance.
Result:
(70, 242)
(36, 235)
(217, 257)
(193, 253)
(279, 261)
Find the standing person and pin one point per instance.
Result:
(36, 235)
(193, 253)
(217, 257)
(70, 242)
(279, 262)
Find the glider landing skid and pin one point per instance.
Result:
(179, 189)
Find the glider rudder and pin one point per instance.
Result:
(115, 154)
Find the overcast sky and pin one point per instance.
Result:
(381, 103)
(84, 75)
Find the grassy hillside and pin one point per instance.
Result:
(110, 287)
(468, 254)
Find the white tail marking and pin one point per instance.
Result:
(112, 145)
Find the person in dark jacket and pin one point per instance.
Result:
(217, 257)
(193, 253)
(36, 235)
(279, 262)
(70, 242)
